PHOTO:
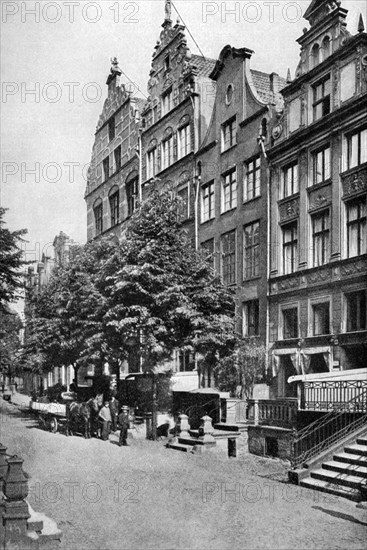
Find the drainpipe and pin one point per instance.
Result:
(268, 211)
(197, 189)
(140, 186)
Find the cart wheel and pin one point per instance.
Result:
(53, 424)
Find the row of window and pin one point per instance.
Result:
(131, 188)
(356, 239)
(355, 155)
(228, 253)
(167, 150)
(355, 318)
(251, 189)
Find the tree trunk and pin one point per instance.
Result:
(154, 407)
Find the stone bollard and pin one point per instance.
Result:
(208, 429)
(184, 425)
(148, 424)
(16, 511)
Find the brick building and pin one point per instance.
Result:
(233, 169)
(318, 253)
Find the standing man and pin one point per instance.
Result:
(124, 425)
(114, 410)
(105, 416)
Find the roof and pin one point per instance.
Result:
(204, 64)
(262, 83)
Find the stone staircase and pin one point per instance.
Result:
(345, 475)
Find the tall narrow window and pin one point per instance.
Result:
(184, 141)
(356, 311)
(167, 152)
(290, 247)
(111, 128)
(106, 168)
(250, 318)
(131, 195)
(320, 238)
(117, 153)
(290, 322)
(114, 208)
(356, 227)
(229, 191)
(315, 55)
(321, 318)
(289, 180)
(207, 202)
(151, 163)
(325, 48)
(321, 98)
(229, 130)
(251, 237)
(228, 249)
(252, 179)
(166, 102)
(98, 218)
(321, 165)
(357, 148)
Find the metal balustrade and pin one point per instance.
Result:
(333, 395)
(323, 433)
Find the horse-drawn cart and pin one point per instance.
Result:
(50, 415)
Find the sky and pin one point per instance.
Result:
(55, 58)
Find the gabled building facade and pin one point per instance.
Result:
(113, 177)
(318, 241)
(233, 171)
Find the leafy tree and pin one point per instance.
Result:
(10, 261)
(162, 294)
(10, 343)
(245, 367)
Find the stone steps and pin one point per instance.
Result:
(345, 475)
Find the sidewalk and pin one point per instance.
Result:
(19, 399)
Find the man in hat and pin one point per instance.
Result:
(114, 409)
(124, 425)
(105, 416)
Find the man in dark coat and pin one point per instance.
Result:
(105, 416)
(124, 425)
(114, 410)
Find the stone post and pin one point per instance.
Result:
(16, 511)
(184, 425)
(256, 412)
(208, 429)
(3, 464)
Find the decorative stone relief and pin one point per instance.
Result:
(318, 276)
(287, 284)
(353, 267)
(320, 198)
(289, 210)
(336, 77)
(355, 183)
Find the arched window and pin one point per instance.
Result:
(315, 55)
(326, 47)
(98, 216)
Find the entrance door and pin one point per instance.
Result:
(286, 370)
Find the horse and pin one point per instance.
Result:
(94, 404)
(79, 414)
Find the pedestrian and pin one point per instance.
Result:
(124, 425)
(105, 416)
(114, 410)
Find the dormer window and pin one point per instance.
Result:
(321, 98)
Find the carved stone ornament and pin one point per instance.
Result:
(318, 276)
(355, 183)
(353, 267)
(319, 201)
(289, 210)
(287, 284)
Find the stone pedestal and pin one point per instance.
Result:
(184, 425)
(208, 430)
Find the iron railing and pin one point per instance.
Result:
(323, 433)
(332, 395)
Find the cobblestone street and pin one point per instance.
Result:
(145, 496)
